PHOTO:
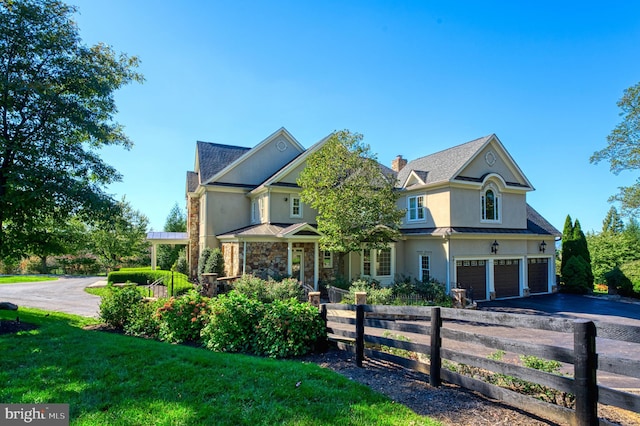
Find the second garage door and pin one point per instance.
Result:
(506, 277)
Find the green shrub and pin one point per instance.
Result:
(288, 288)
(181, 265)
(252, 287)
(269, 290)
(617, 280)
(144, 276)
(215, 263)
(376, 295)
(576, 276)
(202, 262)
(142, 321)
(117, 307)
(180, 319)
(289, 328)
(632, 271)
(232, 321)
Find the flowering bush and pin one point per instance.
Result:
(181, 318)
(289, 328)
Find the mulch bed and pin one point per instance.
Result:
(14, 326)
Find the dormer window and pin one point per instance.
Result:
(415, 208)
(295, 206)
(490, 205)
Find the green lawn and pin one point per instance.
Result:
(12, 279)
(120, 380)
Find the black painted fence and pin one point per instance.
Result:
(432, 322)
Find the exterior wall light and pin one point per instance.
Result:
(494, 247)
(543, 247)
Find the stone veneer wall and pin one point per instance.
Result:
(231, 255)
(309, 251)
(193, 226)
(266, 259)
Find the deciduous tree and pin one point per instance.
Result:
(354, 195)
(176, 222)
(623, 149)
(57, 110)
(121, 238)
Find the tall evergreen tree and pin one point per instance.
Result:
(612, 223)
(567, 238)
(574, 245)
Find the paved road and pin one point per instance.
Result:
(63, 295)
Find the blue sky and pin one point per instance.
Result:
(414, 77)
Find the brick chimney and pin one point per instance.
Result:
(398, 164)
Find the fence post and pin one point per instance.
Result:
(359, 335)
(585, 367)
(172, 283)
(323, 342)
(435, 362)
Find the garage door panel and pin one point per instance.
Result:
(538, 271)
(472, 276)
(506, 277)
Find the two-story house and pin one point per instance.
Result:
(467, 221)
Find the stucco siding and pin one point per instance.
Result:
(226, 211)
(480, 167)
(466, 209)
(262, 164)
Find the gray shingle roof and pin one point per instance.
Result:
(442, 166)
(213, 157)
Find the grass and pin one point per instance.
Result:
(120, 380)
(13, 279)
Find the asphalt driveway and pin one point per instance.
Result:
(595, 308)
(64, 295)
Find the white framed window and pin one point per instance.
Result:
(295, 206)
(415, 208)
(257, 209)
(383, 262)
(254, 211)
(424, 265)
(378, 264)
(490, 205)
(366, 263)
(327, 259)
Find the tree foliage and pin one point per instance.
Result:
(577, 275)
(352, 193)
(623, 149)
(176, 222)
(612, 223)
(121, 238)
(57, 110)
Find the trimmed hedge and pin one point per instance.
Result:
(147, 276)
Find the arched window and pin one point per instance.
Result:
(490, 206)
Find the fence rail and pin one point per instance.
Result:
(356, 325)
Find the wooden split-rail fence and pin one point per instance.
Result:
(355, 327)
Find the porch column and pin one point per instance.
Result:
(289, 258)
(316, 265)
(154, 252)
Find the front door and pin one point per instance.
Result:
(297, 264)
